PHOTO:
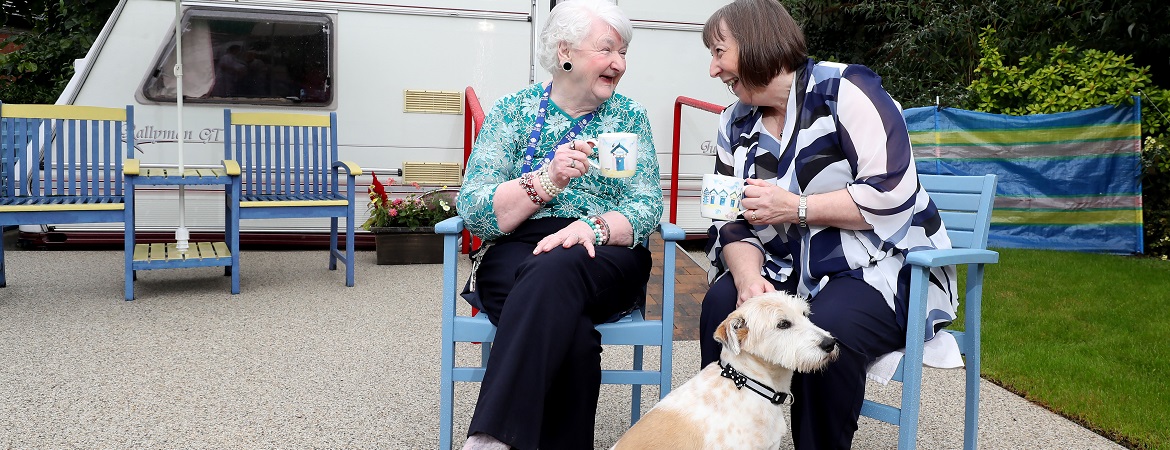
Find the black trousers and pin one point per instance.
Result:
(544, 374)
(826, 404)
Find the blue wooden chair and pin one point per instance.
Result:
(632, 329)
(64, 164)
(289, 169)
(965, 203)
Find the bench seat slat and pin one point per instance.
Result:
(62, 203)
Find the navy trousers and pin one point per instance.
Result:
(543, 379)
(826, 404)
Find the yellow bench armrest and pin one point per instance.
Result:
(231, 167)
(351, 167)
(132, 167)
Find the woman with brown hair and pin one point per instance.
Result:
(831, 209)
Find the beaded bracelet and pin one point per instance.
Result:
(600, 229)
(546, 182)
(530, 189)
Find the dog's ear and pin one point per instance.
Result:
(731, 332)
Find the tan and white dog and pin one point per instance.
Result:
(764, 342)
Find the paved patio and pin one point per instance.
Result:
(297, 360)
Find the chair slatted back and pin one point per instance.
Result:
(64, 150)
(965, 204)
(283, 154)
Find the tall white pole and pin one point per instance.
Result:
(182, 236)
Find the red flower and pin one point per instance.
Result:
(377, 190)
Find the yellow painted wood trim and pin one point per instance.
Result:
(141, 251)
(202, 250)
(173, 252)
(232, 167)
(291, 203)
(131, 167)
(158, 252)
(62, 112)
(221, 250)
(64, 207)
(280, 119)
(354, 168)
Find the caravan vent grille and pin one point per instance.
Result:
(432, 173)
(432, 102)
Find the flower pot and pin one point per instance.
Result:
(400, 245)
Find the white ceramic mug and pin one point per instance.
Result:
(617, 154)
(721, 197)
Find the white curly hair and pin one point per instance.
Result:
(569, 22)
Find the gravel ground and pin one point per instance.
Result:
(297, 360)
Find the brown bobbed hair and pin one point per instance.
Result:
(769, 39)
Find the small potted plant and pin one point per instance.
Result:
(404, 228)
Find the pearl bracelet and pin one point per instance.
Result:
(546, 182)
(600, 229)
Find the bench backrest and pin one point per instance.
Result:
(64, 150)
(282, 153)
(965, 204)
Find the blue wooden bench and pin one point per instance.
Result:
(64, 164)
(289, 169)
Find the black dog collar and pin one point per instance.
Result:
(741, 380)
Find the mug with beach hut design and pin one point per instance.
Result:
(617, 154)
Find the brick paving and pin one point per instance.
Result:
(689, 287)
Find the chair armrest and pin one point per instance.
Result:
(950, 257)
(231, 167)
(132, 167)
(350, 167)
(452, 225)
(671, 232)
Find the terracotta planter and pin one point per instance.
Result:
(395, 245)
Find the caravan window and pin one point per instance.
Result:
(248, 57)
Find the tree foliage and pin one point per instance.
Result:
(50, 35)
(930, 48)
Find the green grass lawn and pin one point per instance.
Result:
(1084, 335)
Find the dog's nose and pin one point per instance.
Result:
(828, 344)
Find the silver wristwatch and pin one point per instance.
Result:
(802, 211)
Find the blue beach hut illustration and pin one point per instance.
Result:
(720, 197)
(619, 155)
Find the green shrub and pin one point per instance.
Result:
(1071, 79)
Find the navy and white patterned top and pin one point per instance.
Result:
(498, 156)
(842, 131)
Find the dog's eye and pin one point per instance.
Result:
(784, 325)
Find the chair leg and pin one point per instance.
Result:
(128, 241)
(3, 280)
(446, 396)
(332, 243)
(129, 275)
(636, 389)
(349, 246)
(912, 367)
(974, 314)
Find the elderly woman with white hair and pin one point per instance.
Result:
(563, 244)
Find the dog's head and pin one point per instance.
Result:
(775, 328)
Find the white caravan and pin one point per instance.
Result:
(394, 70)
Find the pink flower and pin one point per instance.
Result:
(393, 212)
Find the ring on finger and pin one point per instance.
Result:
(753, 216)
(572, 145)
(572, 164)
